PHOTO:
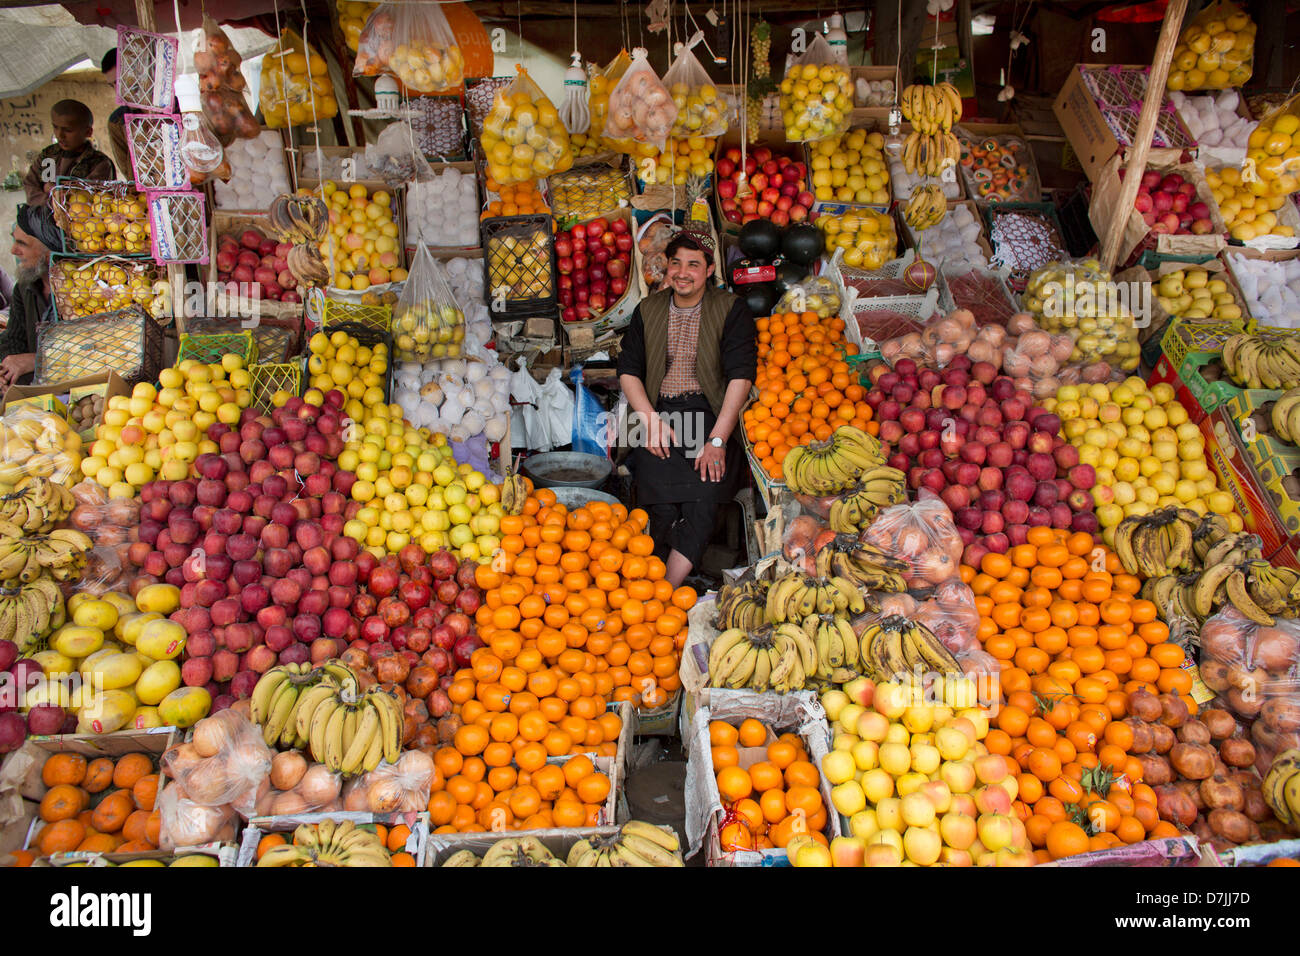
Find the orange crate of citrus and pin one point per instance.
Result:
(769, 787)
(806, 389)
(1072, 641)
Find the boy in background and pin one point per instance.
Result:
(70, 155)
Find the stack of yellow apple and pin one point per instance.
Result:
(412, 490)
(679, 160)
(912, 776)
(1191, 294)
(850, 168)
(338, 360)
(157, 433)
(1250, 209)
(115, 663)
(1144, 450)
(1214, 53)
(362, 245)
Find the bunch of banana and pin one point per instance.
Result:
(779, 658)
(862, 565)
(24, 557)
(929, 154)
(31, 611)
(308, 265)
(858, 506)
(931, 109)
(1212, 531)
(1281, 788)
(1286, 416)
(513, 851)
(926, 207)
(299, 218)
(329, 844)
(894, 646)
(1254, 362)
(1158, 543)
(848, 457)
(514, 492)
(839, 656)
(37, 506)
(636, 844)
(742, 605)
(793, 597)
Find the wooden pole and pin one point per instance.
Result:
(1137, 159)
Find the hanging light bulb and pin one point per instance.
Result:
(574, 113)
(894, 139)
(201, 152)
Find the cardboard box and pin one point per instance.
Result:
(259, 827)
(1255, 503)
(59, 394)
(559, 841)
(1092, 138)
(1197, 395)
(1256, 405)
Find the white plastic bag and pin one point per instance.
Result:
(555, 410)
(525, 425)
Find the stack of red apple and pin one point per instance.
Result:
(411, 626)
(17, 676)
(969, 435)
(594, 260)
(1168, 205)
(255, 544)
(776, 187)
(252, 266)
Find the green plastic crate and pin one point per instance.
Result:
(210, 348)
(270, 378)
(1182, 337)
(377, 317)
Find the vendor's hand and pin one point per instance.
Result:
(659, 437)
(16, 366)
(711, 463)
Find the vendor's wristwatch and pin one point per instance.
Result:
(716, 442)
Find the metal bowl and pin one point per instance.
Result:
(566, 469)
(573, 498)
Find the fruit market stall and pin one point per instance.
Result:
(1017, 577)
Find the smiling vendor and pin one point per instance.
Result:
(689, 357)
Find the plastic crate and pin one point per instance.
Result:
(127, 342)
(98, 300)
(277, 338)
(369, 336)
(1182, 337)
(377, 318)
(270, 378)
(513, 287)
(208, 349)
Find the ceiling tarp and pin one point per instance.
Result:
(50, 41)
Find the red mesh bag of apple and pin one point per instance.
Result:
(224, 764)
(1255, 670)
(921, 535)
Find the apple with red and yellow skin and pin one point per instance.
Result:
(995, 830)
(848, 850)
(958, 830)
(882, 854)
(861, 690)
(1011, 785)
(959, 775)
(964, 804)
(955, 857)
(873, 726)
(1012, 856)
(937, 792)
(990, 768)
(992, 799)
(978, 718)
(922, 845)
(967, 727)
(892, 700)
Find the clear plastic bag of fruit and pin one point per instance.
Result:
(799, 540)
(296, 86)
(298, 785)
(183, 822)
(1080, 299)
(601, 84)
(1254, 668)
(523, 138)
(428, 323)
(413, 42)
(222, 85)
(701, 109)
(401, 787)
(816, 95)
(1215, 51)
(1273, 150)
(37, 443)
(640, 106)
(224, 763)
(352, 20)
(921, 534)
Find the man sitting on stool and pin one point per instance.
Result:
(689, 357)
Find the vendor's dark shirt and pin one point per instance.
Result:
(738, 350)
(89, 163)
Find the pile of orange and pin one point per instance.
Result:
(523, 199)
(1073, 640)
(474, 794)
(576, 613)
(771, 800)
(806, 389)
(98, 805)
